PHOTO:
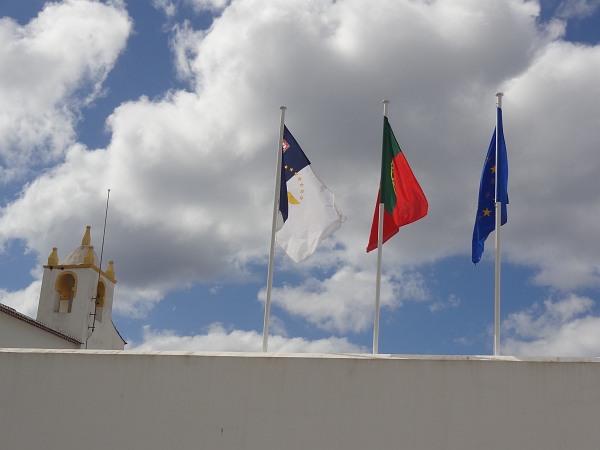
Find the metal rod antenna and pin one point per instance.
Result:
(95, 299)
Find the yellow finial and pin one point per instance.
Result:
(89, 256)
(87, 239)
(53, 258)
(110, 271)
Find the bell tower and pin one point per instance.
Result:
(76, 297)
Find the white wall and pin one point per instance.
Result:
(17, 333)
(76, 399)
(78, 321)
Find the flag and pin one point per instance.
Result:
(307, 210)
(485, 220)
(399, 191)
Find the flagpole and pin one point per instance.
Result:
(497, 238)
(273, 226)
(379, 257)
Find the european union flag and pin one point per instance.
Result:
(485, 220)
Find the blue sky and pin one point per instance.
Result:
(174, 106)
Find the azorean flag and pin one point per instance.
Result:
(307, 210)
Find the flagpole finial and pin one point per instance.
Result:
(385, 107)
(283, 107)
(499, 99)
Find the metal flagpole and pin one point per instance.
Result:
(379, 256)
(273, 226)
(497, 239)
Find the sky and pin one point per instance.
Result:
(174, 105)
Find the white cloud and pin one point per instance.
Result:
(345, 301)
(167, 6)
(554, 162)
(217, 338)
(208, 5)
(184, 47)
(451, 302)
(565, 327)
(200, 7)
(191, 173)
(25, 300)
(577, 9)
(50, 69)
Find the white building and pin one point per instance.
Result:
(74, 309)
(98, 400)
(76, 398)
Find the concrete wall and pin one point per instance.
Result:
(77, 322)
(76, 399)
(17, 333)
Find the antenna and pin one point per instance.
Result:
(95, 299)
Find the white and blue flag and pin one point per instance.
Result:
(307, 210)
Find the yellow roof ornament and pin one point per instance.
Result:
(53, 258)
(89, 256)
(87, 239)
(110, 271)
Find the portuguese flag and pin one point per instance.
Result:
(399, 191)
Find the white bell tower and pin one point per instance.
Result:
(77, 297)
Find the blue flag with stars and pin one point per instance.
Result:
(485, 220)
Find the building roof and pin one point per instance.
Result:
(13, 312)
(77, 256)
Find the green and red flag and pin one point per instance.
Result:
(399, 191)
